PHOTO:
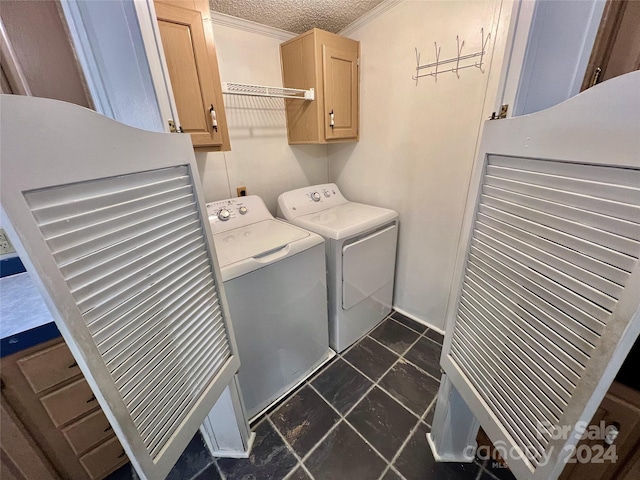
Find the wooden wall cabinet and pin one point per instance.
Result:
(328, 63)
(192, 63)
(58, 414)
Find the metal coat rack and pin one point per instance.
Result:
(459, 58)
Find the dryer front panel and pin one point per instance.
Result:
(368, 265)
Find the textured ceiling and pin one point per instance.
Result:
(297, 16)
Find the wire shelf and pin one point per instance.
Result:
(263, 91)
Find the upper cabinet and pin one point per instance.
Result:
(192, 63)
(329, 64)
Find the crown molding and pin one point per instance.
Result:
(369, 16)
(249, 26)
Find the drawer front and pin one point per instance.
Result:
(49, 367)
(69, 402)
(87, 432)
(104, 459)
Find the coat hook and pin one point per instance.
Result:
(468, 59)
(460, 46)
(435, 75)
(484, 47)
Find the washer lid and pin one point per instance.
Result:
(255, 240)
(345, 220)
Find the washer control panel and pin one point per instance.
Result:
(323, 192)
(236, 212)
(309, 200)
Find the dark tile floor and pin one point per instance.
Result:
(363, 416)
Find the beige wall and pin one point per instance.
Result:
(417, 143)
(260, 157)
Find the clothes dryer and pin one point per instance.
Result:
(361, 243)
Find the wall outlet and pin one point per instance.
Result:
(5, 244)
(242, 191)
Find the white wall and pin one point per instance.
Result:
(558, 49)
(417, 143)
(109, 47)
(260, 158)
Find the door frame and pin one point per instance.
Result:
(527, 26)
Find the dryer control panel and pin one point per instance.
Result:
(236, 212)
(307, 200)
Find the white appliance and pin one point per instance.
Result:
(361, 256)
(275, 283)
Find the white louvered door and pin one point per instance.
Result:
(110, 222)
(545, 307)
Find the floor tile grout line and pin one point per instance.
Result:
(290, 448)
(223, 476)
(319, 442)
(344, 419)
(319, 372)
(201, 471)
(411, 433)
(407, 326)
(376, 384)
(404, 444)
(441, 345)
(422, 334)
(392, 350)
(405, 359)
(420, 419)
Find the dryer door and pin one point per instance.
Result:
(368, 265)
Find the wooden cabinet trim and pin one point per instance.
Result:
(19, 448)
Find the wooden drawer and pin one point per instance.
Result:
(49, 367)
(69, 402)
(87, 432)
(104, 459)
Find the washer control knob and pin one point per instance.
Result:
(315, 196)
(224, 214)
(327, 194)
(243, 210)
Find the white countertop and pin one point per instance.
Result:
(21, 306)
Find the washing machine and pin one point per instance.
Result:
(360, 247)
(275, 284)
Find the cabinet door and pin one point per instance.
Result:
(340, 76)
(190, 72)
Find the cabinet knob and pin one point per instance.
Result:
(611, 433)
(331, 118)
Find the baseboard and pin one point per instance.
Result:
(447, 458)
(417, 319)
(235, 454)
